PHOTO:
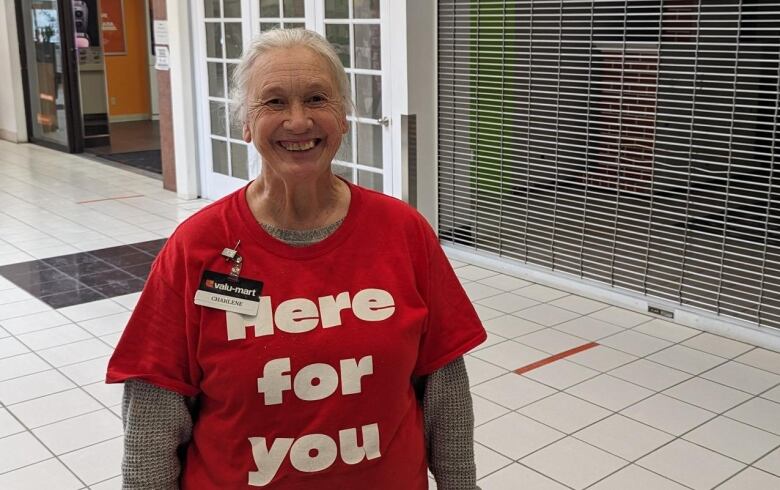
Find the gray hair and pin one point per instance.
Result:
(280, 39)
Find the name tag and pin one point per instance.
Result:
(222, 292)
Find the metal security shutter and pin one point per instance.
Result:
(630, 142)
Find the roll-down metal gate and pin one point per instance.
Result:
(630, 142)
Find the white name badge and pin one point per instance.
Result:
(226, 303)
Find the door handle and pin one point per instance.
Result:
(384, 121)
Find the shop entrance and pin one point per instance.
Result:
(89, 78)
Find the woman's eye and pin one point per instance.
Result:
(274, 102)
(317, 99)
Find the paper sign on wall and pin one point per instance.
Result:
(161, 32)
(162, 61)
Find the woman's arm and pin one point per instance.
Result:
(449, 427)
(158, 425)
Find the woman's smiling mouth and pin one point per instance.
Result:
(299, 145)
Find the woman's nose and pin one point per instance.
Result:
(298, 120)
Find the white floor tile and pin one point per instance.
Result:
(601, 358)
(649, 374)
(13, 295)
(473, 273)
(8, 424)
(758, 412)
(34, 322)
(107, 394)
(4, 333)
(752, 479)
(10, 347)
(761, 358)
(515, 435)
(106, 324)
(112, 484)
(624, 437)
(96, 463)
(48, 474)
(512, 391)
(743, 377)
(516, 476)
(22, 365)
(584, 464)
(709, 395)
(479, 371)
(488, 461)
(561, 374)
(547, 315)
(564, 412)
(504, 282)
(21, 450)
(53, 408)
(690, 464)
(770, 462)
(486, 313)
(668, 414)
(79, 432)
(551, 341)
(686, 359)
(93, 309)
(484, 410)
(636, 478)
(75, 352)
(508, 303)
(477, 291)
(667, 330)
(541, 293)
(510, 326)
(33, 386)
(621, 317)
(734, 439)
(52, 337)
(87, 372)
(128, 300)
(579, 304)
(588, 328)
(609, 392)
(717, 345)
(113, 339)
(635, 343)
(22, 308)
(510, 355)
(773, 394)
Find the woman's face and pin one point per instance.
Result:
(295, 115)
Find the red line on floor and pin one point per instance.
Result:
(556, 357)
(110, 199)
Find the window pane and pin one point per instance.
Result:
(233, 8)
(268, 26)
(366, 9)
(343, 171)
(370, 179)
(231, 67)
(294, 8)
(345, 150)
(219, 161)
(368, 96)
(214, 40)
(234, 42)
(338, 35)
(294, 25)
(238, 161)
(211, 8)
(217, 116)
(269, 8)
(336, 9)
(369, 144)
(236, 128)
(216, 79)
(368, 44)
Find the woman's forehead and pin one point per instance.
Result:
(293, 67)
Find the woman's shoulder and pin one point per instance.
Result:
(388, 207)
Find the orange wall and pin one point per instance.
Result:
(127, 75)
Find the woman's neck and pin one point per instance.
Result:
(302, 205)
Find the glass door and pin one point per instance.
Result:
(50, 85)
(354, 27)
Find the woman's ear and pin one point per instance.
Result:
(247, 134)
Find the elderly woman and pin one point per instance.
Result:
(303, 332)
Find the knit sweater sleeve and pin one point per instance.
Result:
(158, 427)
(449, 427)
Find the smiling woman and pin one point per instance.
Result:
(277, 392)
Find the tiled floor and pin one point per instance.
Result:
(651, 406)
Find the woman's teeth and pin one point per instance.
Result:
(299, 146)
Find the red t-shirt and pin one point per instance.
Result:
(314, 391)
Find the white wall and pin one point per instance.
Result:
(12, 118)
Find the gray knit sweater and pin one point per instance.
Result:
(158, 423)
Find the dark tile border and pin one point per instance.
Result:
(73, 279)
